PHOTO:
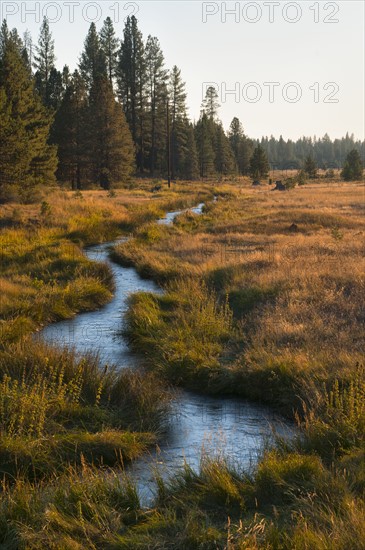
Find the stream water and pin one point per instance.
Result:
(198, 424)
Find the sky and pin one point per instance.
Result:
(283, 68)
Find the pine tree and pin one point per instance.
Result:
(353, 168)
(244, 155)
(210, 104)
(131, 78)
(68, 133)
(4, 37)
(109, 45)
(27, 159)
(157, 97)
(224, 158)
(310, 167)
(55, 89)
(177, 97)
(242, 147)
(92, 63)
(10, 148)
(28, 46)
(235, 135)
(259, 165)
(44, 62)
(109, 142)
(189, 161)
(204, 141)
(66, 77)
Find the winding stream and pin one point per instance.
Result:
(198, 423)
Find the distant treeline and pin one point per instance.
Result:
(326, 153)
(122, 112)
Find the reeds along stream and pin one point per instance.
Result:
(197, 424)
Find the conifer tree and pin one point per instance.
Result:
(241, 146)
(210, 103)
(245, 152)
(92, 62)
(189, 161)
(68, 133)
(44, 62)
(204, 141)
(353, 168)
(259, 165)
(28, 46)
(109, 142)
(66, 77)
(131, 78)
(235, 135)
(109, 45)
(224, 158)
(10, 148)
(310, 167)
(4, 37)
(27, 159)
(157, 77)
(55, 89)
(178, 136)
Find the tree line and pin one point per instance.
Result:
(122, 112)
(326, 153)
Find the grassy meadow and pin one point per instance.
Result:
(274, 280)
(264, 296)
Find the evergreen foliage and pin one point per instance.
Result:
(353, 167)
(69, 133)
(157, 77)
(93, 62)
(259, 165)
(26, 158)
(109, 143)
(242, 146)
(310, 167)
(44, 63)
(132, 90)
(204, 133)
(109, 46)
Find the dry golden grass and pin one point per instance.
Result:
(44, 275)
(297, 291)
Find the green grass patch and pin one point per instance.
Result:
(183, 332)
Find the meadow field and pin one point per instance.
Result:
(263, 299)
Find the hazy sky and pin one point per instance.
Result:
(294, 68)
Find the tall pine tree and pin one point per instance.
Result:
(224, 158)
(92, 63)
(44, 63)
(26, 158)
(131, 78)
(259, 165)
(241, 146)
(210, 103)
(157, 77)
(189, 160)
(204, 140)
(110, 46)
(68, 133)
(109, 142)
(178, 136)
